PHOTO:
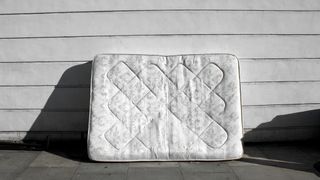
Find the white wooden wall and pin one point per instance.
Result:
(45, 47)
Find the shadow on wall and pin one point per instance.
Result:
(287, 127)
(65, 114)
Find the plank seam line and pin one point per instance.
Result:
(275, 59)
(87, 109)
(280, 81)
(274, 105)
(40, 62)
(151, 35)
(41, 131)
(80, 86)
(90, 60)
(46, 110)
(156, 10)
(85, 86)
(282, 128)
(246, 129)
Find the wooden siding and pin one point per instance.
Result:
(46, 48)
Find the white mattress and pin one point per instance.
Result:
(165, 108)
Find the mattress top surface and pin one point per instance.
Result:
(184, 107)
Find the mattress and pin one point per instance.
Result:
(165, 108)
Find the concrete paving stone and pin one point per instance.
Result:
(35, 173)
(242, 163)
(8, 176)
(298, 175)
(154, 173)
(189, 167)
(154, 164)
(262, 161)
(16, 161)
(102, 168)
(260, 172)
(209, 176)
(93, 176)
(47, 159)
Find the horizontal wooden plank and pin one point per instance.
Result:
(44, 97)
(78, 73)
(160, 22)
(48, 97)
(32, 6)
(85, 48)
(280, 93)
(51, 73)
(281, 116)
(37, 120)
(279, 70)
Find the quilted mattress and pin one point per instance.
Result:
(165, 108)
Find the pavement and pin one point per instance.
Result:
(262, 161)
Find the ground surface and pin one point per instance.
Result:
(270, 161)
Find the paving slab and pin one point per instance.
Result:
(209, 176)
(261, 161)
(202, 167)
(40, 173)
(94, 176)
(154, 173)
(16, 161)
(103, 168)
(297, 175)
(8, 175)
(242, 162)
(47, 159)
(154, 164)
(260, 172)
